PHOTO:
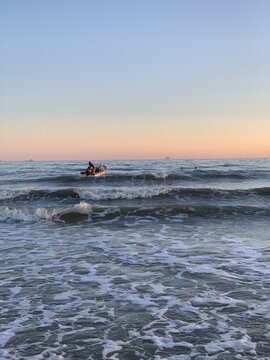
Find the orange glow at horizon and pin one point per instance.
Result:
(155, 141)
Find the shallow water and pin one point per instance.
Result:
(149, 262)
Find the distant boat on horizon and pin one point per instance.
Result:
(167, 158)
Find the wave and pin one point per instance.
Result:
(129, 193)
(163, 192)
(149, 176)
(38, 194)
(85, 211)
(58, 213)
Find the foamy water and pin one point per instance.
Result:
(149, 262)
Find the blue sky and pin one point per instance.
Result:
(122, 65)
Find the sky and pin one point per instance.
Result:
(118, 79)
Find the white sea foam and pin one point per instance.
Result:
(211, 297)
(42, 213)
(83, 207)
(52, 354)
(121, 193)
(11, 194)
(211, 269)
(195, 326)
(243, 344)
(158, 288)
(25, 214)
(14, 214)
(111, 347)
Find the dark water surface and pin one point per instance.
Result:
(149, 262)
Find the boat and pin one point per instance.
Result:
(99, 171)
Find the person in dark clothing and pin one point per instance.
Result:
(91, 168)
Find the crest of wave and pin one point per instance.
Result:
(83, 207)
(121, 193)
(25, 214)
(6, 194)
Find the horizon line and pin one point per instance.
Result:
(136, 159)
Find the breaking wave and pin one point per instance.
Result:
(93, 212)
(88, 193)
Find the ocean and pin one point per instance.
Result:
(159, 259)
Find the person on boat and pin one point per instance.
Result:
(91, 168)
(102, 166)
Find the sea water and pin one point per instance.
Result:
(159, 259)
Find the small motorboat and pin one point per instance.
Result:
(99, 171)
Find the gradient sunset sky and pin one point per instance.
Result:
(113, 79)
